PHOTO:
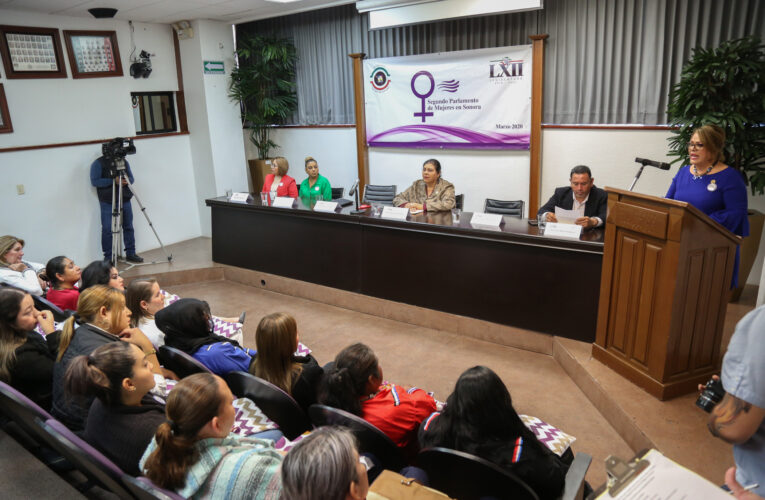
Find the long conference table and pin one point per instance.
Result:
(510, 275)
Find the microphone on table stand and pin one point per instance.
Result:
(643, 162)
(354, 191)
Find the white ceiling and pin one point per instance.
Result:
(170, 11)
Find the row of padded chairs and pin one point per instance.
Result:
(476, 478)
(384, 195)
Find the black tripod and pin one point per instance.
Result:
(120, 179)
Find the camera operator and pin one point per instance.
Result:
(102, 176)
(739, 418)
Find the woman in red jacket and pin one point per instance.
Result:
(278, 181)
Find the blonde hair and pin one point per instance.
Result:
(6, 244)
(276, 342)
(713, 139)
(282, 165)
(88, 305)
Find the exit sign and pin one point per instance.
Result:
(213, 67)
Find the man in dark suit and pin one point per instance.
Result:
(582, 193)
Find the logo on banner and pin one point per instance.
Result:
(380, 79)
(505, 70)
(449, 86)
(431, 87)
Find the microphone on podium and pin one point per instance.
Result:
(643, 162)
(658, 164)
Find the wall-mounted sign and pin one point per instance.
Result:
(213, 67)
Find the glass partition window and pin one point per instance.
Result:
(154, 112)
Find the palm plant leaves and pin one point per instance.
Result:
(263, 84)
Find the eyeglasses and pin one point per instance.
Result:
(695, 145)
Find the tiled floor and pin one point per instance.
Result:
(613, 417)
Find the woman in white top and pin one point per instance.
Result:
(144, 298)
(18, 273)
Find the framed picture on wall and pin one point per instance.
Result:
(30, 52)
(5, 116)
(93, 54)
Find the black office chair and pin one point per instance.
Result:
(86, 459)
(371, 439)
(459, 201)
(337, 193)
(513, 208)
(467, 477)
(379, 194)
(274, 402)
(179, 362)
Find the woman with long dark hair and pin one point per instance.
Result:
(187, 325)
(479, 419)
(101, 272)
(355, 384)
(277, 341)
(63, 275)
(26, 357)
(195, 454)
(124, 417)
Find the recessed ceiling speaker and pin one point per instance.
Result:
(102, 12)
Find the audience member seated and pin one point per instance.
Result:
(101, 272)
(355, 384)
(26, 357)
(124, 417)
(187, 325)
(278, 182)
(103, 318)
(431, 193)
(479, 419)
(195, 454)
(315, 185)
(28, 276)
(325, 465)
(63, 275)
(581, 195)
(277, 340)
(144, 299)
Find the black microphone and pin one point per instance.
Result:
(658, 164)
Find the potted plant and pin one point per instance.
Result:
(263, 82)
(725, 86)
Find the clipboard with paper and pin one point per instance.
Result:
(651, 475)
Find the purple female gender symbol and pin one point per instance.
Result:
(422, 97)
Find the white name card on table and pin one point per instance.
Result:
(325, 206)
(240, 197)
(563, 230)
(482, 219)
(283, 202)
(394, 213)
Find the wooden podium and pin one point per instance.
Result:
(664, 290)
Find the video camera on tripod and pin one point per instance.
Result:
(114, 152)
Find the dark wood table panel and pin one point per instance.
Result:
(510, 275)
(321, 250)
(536, 288)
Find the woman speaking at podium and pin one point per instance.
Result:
(431, 193)
(712, 186)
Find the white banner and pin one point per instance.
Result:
(472, 99)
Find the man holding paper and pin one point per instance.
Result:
(582, 197)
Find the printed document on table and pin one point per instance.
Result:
(664, 479)
(568, 216)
